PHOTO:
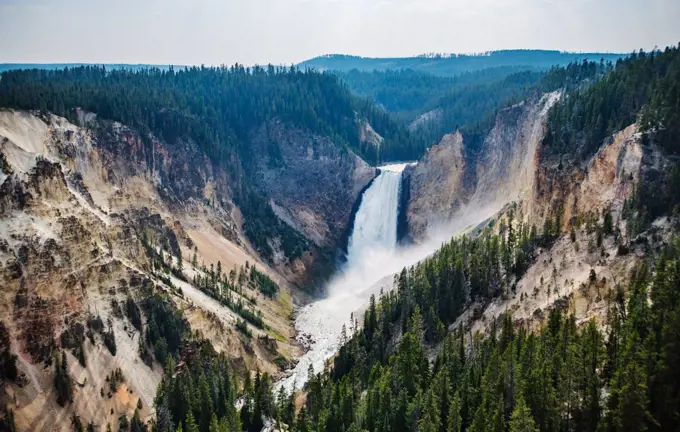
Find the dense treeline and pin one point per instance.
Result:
(166, 328)
(576, 75)
(198, 394)
(405, 145)
(622, 378)
(216, 107)
(650, 80)
(203, 394)
(406, 93)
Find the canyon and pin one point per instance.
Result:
(97, 218)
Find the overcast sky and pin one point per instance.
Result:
(288, 31)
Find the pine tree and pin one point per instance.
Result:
(521, 420)
(207, 407)
(430, 420)
(214, 425)
(137, 425)
(180, 264)
(455, 421)
(190, 424)
(302, 423)
(630, 392)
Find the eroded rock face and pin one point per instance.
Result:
(560, 274)
(180, 170)
(507, 162)
(449, 184)
(369, 136)
(426, 119)
(602, 182)
(437, 186)
(311, 182)
(82, 210)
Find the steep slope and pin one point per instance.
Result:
(448, 183)
(547, 169)
(512, 179)
(90, 225)
(311, 183)
(438, 186)
(577, 273)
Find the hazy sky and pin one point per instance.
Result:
(287, 31)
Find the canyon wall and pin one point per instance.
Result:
(87, 211)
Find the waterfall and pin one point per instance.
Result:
(371, 244)
(375, 223)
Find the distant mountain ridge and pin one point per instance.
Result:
(454, 64)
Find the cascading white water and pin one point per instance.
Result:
(375, 223)
(373, 238)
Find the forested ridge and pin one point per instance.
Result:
(216, 109)
(408, 93)
(455, 64)
(643, 86)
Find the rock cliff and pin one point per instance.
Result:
(312, 183)
(580, 270)
(94, 217)
(450, 183)
(438, 186)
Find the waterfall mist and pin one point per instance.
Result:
(373, 258)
